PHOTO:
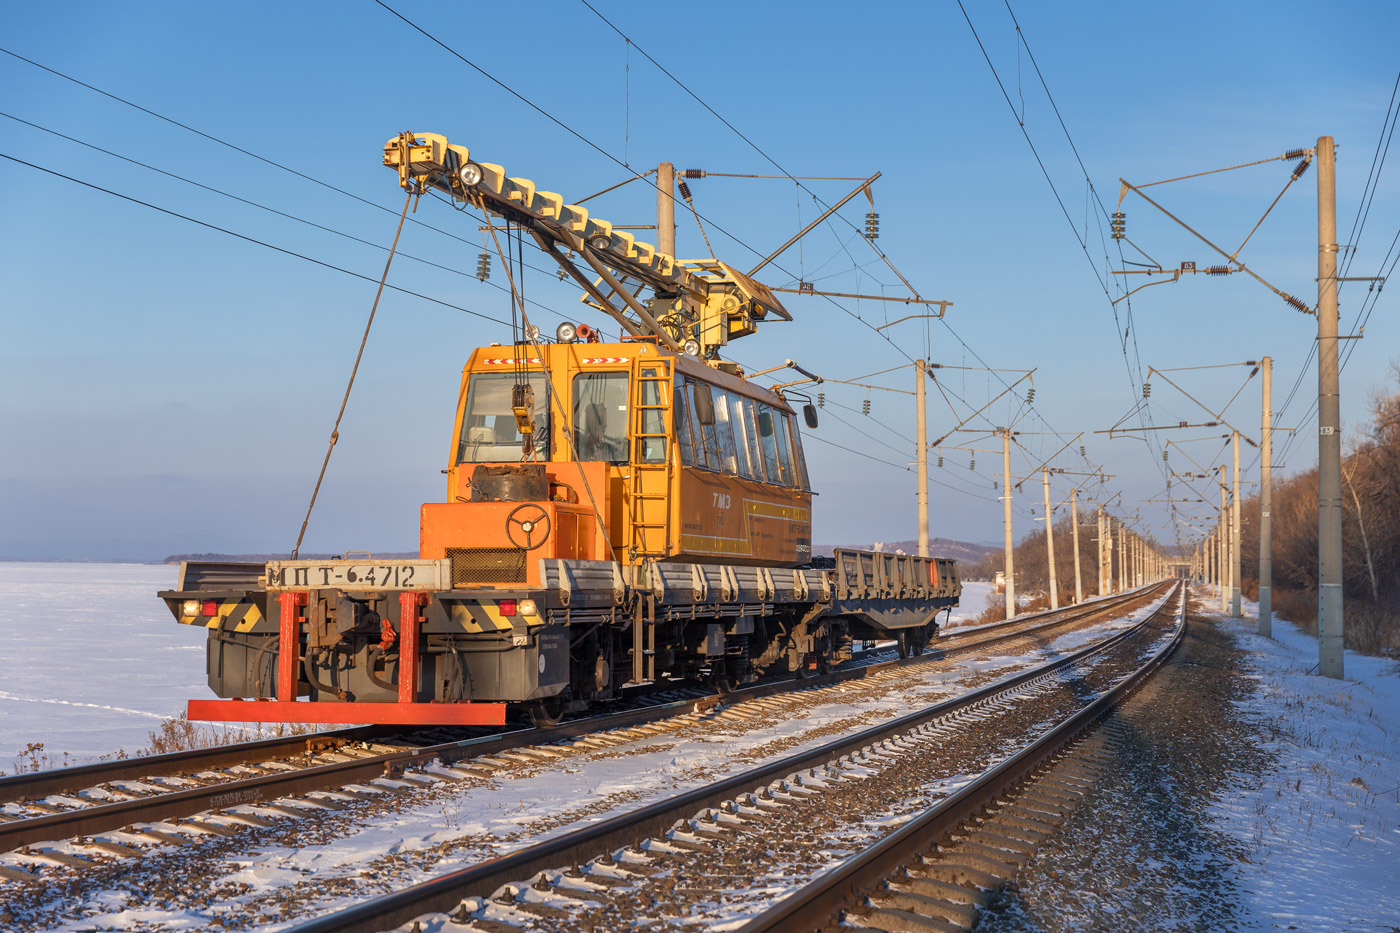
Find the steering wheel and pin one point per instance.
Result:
(533, 520)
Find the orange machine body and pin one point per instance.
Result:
(635, 472)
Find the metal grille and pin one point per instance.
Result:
(487, 565)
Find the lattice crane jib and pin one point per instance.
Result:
(646, 291)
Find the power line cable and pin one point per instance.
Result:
(263, 243)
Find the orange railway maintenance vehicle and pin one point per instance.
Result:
(615, 514)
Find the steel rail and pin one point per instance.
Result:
(186, 802)
(818, 905)
(444, 893)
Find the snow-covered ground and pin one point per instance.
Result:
(971, 604)
(1322, 830)
(91, 660)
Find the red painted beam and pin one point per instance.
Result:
(405, 714)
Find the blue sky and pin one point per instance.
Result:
(167, 387)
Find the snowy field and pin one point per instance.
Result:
(92, 660)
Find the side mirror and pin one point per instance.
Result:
(809, 415)
(765, 423)
(704, 403)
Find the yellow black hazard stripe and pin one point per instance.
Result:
(484, 617)
(233, 616)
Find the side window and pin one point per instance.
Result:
(685, 428)
(781, 428)
(799, 459)
(767, 424)
(720, 447)
(600, 417)
(750, 460)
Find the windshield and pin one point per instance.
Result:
(600, 416)
(489, 432)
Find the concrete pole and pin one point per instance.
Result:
(1006, 521)
(1210, 561)
(1266, 503)
(1124, 581)
(666, 208)
(921, 442)
(1329, 420)
(1050, 539)
(1226, 584)
(1074, 520)
(1101, 589)
(1237, 565)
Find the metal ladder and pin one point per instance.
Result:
(649, 457)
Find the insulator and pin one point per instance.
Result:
(1118, 224)
(865, 407)
(561, 275)
(1292, 154)
(995, 485)
(1298, 305)
(1030, 395)
(693, 173)
(1302, 167)
(483, 266)
(972, 463)
(821, 399)
(1218, 270)
(1146, 389)
(1081, 451)
(685, 189)
(940, 460)
(872, 226)
(1164, 455)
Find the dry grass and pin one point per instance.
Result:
(176, 734)
(1373, 630)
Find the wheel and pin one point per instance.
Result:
(902, 644)
(723, 682)
(527, 521)
(823, 664)
(546, 712)
(919, 639)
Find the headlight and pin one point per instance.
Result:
(597, 242)
(470, 174)
(528, 608)
(565, 333)
(532, 333)
(189, 607)
(691, 346)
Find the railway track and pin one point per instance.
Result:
(287, 773)
(656, 864)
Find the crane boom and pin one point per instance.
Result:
(704, 300)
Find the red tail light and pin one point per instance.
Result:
(209, 608)
(507, 607)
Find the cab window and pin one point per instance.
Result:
(600, 417)
(489, 432)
